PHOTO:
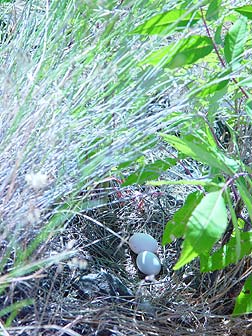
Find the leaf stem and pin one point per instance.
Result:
(232, 179)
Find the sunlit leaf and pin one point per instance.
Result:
(213, 88)
(201, 151)
(204, 228)
(245, 11)
(213, 10)
(243, 302)
(175, 228)
(149, 172)
(235, 40)
(227, 254)
(166, 22)
(186, 51)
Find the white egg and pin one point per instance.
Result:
(140, 242)
(148, 263)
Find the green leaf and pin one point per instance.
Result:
(202, 151)
(204, 228)
(166, 22)
(217, 35)
(175, 228)
(149, 172)
(186, 51)
(126, 164)
(227, 254)
(243, 302)
(213, 88)
(235, 40)
(213, 10)
(245, 11)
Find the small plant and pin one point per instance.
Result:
(215, 221)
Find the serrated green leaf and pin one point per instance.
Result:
(243, 302)
(149, 172)
(235, 40)
(204, 228)
(166, 22)
(245, 11)
(186, 51)
(175, 228)
(213, 10)
(202, 152)
(227, 255)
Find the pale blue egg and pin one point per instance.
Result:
(148, 263)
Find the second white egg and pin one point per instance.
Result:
(140, 242)
(148, 263)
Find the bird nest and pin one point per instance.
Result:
(99, 291)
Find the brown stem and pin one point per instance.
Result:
(210, 36)
(241, 89)
(218, 54)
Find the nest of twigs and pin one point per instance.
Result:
(100, 291)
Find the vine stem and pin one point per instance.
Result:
(218, 54)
